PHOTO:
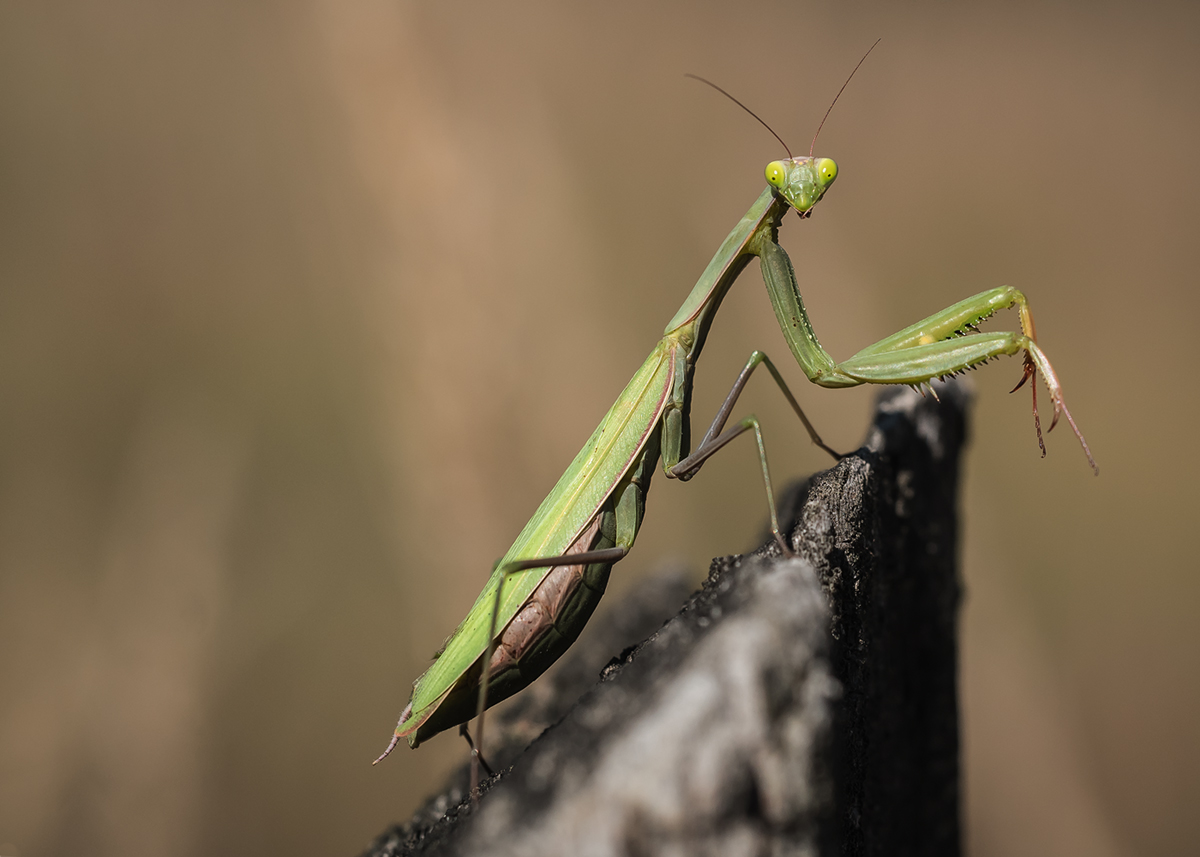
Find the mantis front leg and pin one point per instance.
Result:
(944, 344)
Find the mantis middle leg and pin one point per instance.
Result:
(713, 440)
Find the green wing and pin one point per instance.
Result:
(574, 502)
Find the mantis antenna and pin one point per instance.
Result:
(813, 146)
(744, 107)
(835, 99)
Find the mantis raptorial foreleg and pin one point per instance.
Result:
(944, 344)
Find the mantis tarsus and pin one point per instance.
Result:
(544, 589)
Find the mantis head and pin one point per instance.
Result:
(802, 181)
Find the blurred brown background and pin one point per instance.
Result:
(305, 306)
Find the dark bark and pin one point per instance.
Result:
(792, 706)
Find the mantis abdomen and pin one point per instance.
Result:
(553, 615)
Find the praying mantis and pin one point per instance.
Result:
(544, 589)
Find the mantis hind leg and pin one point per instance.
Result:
(607, 555)
(617, 523)
(948, 343)
(475, 753)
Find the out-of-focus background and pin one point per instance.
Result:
(305, 306)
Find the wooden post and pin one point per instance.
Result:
(804, 706)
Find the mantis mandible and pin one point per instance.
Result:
(544, 589)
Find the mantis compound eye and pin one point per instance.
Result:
(776, 174)
(826, 171)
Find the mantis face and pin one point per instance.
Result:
(802, 181)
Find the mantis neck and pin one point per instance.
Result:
(690, 324)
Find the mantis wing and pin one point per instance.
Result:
(614, 447)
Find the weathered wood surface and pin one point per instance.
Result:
(792, 706)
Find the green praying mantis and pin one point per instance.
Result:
(545, 588)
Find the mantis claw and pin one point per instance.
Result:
(788, 553)
(1031, 372)
(1034, 359)
(1082, 442)
(1037, 421)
